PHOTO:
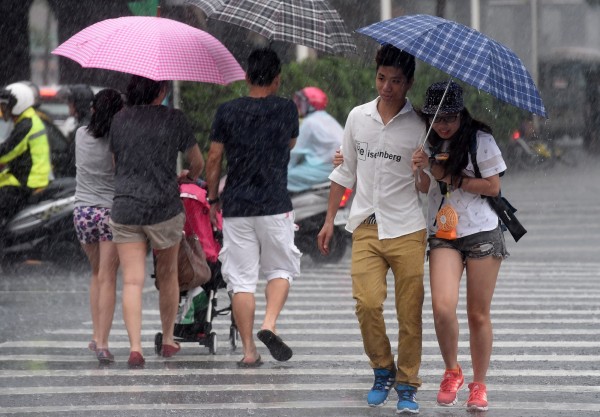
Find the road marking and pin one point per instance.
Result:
(293, 405)
(66, 344)
(116, 389)
(356, 332)
(200, 357)
(279, 370)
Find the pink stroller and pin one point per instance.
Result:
(198, 306)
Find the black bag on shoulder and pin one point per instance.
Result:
(504, 210)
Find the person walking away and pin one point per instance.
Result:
(25, 155)
(320, 136)
(255, 134)
(387, 225)
(93, 200)
(471, 170)
(146, 139)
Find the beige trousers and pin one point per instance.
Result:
(371, 260)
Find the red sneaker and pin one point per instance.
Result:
(478, 397)
(452, 382)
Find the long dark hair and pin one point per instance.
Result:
(459, 143)
(105, 104)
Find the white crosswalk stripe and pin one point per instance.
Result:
(547, 340)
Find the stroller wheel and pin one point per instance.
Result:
(158, 343)
(212, 343)
(234, 337)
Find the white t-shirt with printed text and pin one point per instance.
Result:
(474, 213)
(377, 165)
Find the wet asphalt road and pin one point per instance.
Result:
(546, 316)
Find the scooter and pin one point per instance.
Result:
(310, 208)
(530, 153)
(43, 229)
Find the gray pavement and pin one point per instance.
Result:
(546, 314)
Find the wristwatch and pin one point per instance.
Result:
(212, 201)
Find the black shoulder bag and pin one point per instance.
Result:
(504, 210)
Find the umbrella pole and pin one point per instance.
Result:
(431, 126)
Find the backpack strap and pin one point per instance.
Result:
(473, 154)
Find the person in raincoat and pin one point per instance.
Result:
(320, 136)
(25, 164)
(256, 134)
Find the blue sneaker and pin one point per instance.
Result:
(384, 379)
(407, 399)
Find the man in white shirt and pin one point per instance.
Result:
(387, 223)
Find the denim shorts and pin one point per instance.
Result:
(478, 245)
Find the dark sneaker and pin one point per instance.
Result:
(384, 379)
(407, 400)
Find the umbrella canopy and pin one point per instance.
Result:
(311, 23)
(463, 53)
(155, 48)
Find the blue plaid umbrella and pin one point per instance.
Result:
(463, 53)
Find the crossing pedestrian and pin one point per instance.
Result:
(469, 169)
(93, 201)
(255, 133)
(387, 225)
(146, 138)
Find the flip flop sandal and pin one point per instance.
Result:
(258, 362)
(279, 350)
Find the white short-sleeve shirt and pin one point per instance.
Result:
(377, 165)
(474, 213)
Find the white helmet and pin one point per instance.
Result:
(18, 97)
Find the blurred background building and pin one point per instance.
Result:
(31, 29)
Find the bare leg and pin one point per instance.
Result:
(107, 277)
(276, 293)
(133, 263)
(481, 282)
(446, 270)
(168, 299)
(244, 305)
(92, 251)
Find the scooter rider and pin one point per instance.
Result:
(320, 136)
(25, 156)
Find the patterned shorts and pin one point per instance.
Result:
(91, 224)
